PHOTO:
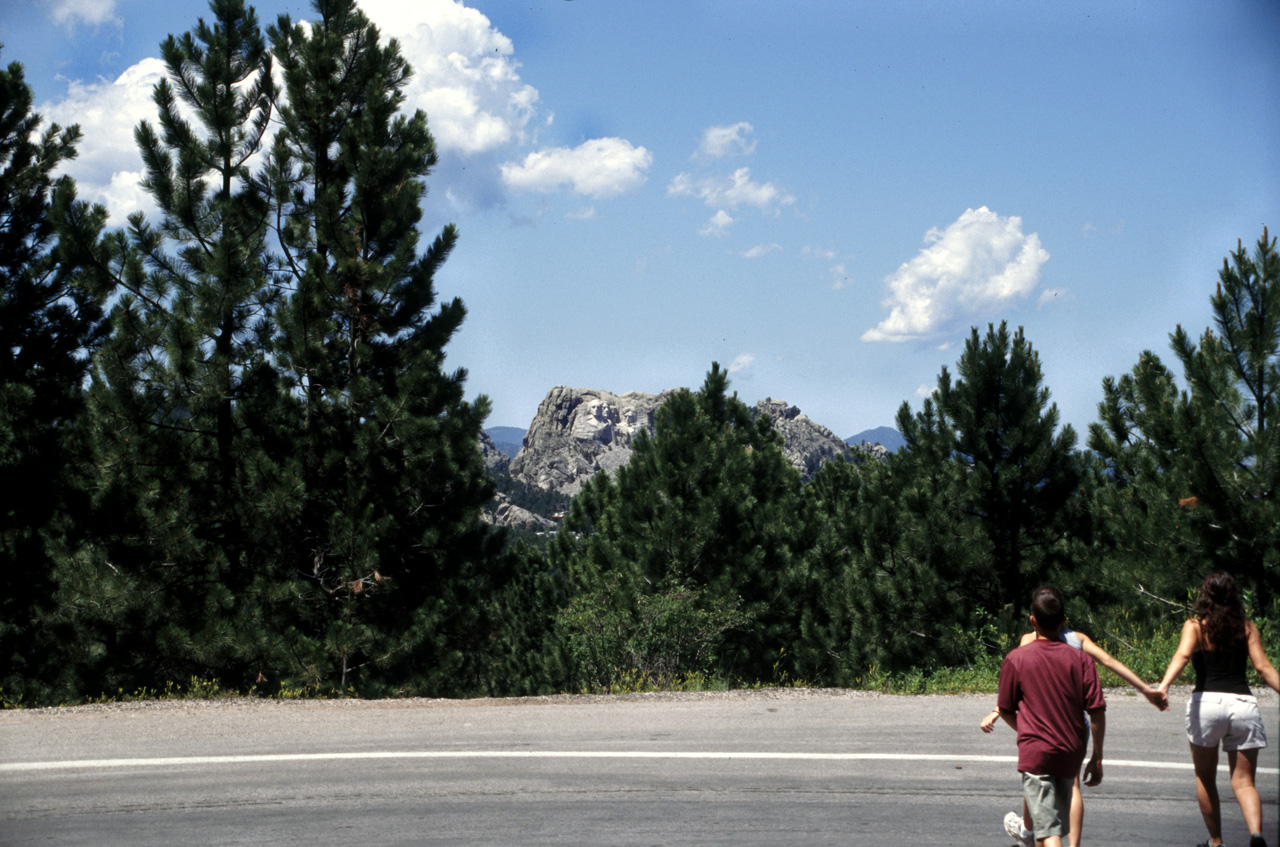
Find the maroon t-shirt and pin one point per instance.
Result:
(1050, 685)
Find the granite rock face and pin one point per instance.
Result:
(578, 433)
(502, 512)
(805, 443)
(494, 459)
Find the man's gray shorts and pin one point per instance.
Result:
(1049, 801)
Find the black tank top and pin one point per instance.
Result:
(1221, 670)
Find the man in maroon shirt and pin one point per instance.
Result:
(1046, 686)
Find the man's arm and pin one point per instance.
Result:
(1098, 729)
(1117, 667)
(1011, 718)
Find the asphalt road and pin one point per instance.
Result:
(753, 768)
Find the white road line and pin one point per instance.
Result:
(177, 761)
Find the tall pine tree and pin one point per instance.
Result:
(50, 321)
(947, 539)
(388, 570)
(1197, 470)
(178, 452)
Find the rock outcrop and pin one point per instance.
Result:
(494, 459)
(502, 512)
(578, 433)
(805, 443)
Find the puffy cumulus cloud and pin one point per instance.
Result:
(741, 363)
(980, 262)
(602, 167)
(718, 225)
(761, 250)
(924, 391)
(465, 76)
(108, 166)
(737, 189)
(718, 141)
(466, 79)
(93, 12)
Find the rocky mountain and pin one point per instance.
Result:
(578, 433)
(805, 443)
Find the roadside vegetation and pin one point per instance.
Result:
(234, 462)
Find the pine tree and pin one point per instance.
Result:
(50, 321)
(1196, 471)
(178, 453)
(708, 503)
(390, 573)
(949, 537)
(1021, 470)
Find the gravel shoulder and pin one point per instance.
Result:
(1266, 699)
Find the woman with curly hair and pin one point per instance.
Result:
(1219, 641)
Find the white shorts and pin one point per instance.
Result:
(1233, 719)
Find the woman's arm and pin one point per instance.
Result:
(1186, 646)
(1120, 669)
(1258, 655)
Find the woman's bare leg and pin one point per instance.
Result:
(1243, 765)
(1205, 762)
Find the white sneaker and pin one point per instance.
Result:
(1013, 828)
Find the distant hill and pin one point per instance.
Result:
(507, 439)
(889, 437)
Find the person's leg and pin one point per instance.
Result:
(1243, 765)
(1205, 762)
(1076, 814)
(1048, 798)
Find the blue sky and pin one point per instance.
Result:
(822, 196)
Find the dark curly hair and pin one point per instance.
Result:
(1220, 611)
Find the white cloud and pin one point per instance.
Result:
(586, 213)
(93, 12)
(839, 276)
(108, 166)
(718, 141)
(732, 191)
(466, 79)
(741, 363)
(718, 225)
(603, 167)
(979, 263)
(465, 76)
(761, 250)
(810, 252)
(925, 391)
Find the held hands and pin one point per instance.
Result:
(1157, 698)
(1093, 772)
(989, 722)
